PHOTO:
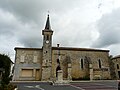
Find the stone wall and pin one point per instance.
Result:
(78, 72)
(27, 59)
(30, 60)
(116, 61)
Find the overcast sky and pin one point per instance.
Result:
(76, 23)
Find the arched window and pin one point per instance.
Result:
(47, 37)
(81, 63)
(117, 66)
(99, 63)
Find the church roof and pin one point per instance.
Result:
(66, 48)
(28, 48)
(47, 26)
(78, 49)
(115, 57)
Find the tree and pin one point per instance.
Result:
(5, 63)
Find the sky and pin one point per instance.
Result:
(76, 23)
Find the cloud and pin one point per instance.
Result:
(30, 36)
(109, 29)
(73, 23)
(24, 10)
(30, 10)
(25, 19)
(5, 23)
(25, 33)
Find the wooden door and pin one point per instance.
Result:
(37, 76)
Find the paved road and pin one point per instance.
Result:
(41, 86)
(99, 85)
(95, 85)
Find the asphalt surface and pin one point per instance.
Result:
(41, 86)
(85, 85)
(99, 85)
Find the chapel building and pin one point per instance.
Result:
(76, 63)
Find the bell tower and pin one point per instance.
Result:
(47, 51)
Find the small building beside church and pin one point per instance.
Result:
(76, 63)
(116, 61)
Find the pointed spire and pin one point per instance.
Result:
(47, 26)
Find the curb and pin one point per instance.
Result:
(94, 81)
(69, 81)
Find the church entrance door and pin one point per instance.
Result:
(58, 68)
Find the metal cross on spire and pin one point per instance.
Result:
(47, 26)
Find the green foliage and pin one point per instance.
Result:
(5, 63)
(8, 87)
(81, 78)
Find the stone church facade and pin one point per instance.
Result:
(76, 63)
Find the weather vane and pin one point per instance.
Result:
(48, 12)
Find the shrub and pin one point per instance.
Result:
(81, 78)
(8, 87)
